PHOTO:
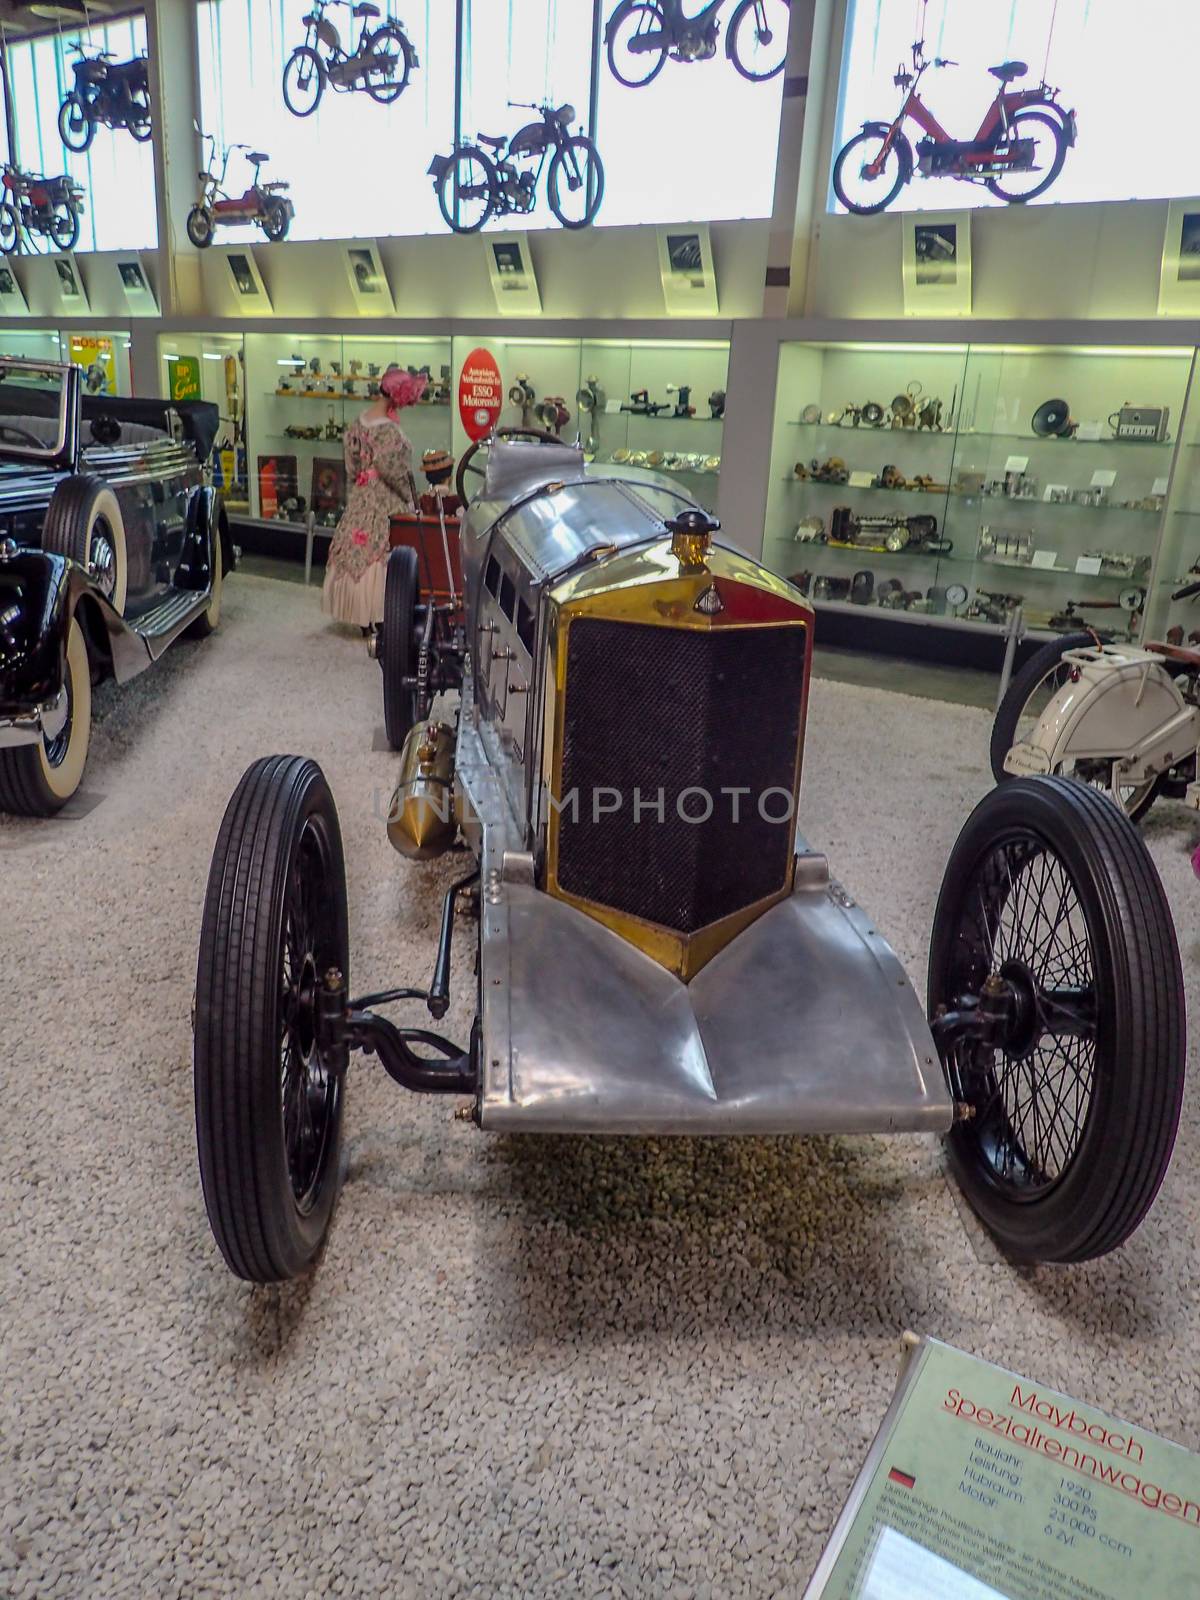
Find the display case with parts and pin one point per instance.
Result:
(1017, 487)
(652, 403)
(102, 356)
(303, 390)
(1177, 620)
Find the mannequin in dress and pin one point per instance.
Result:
(380, 485)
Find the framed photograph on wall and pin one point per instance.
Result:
(1179, 276)
(135, 286)
(248, 286)
(685, 264)
(368, 281)
(328, 494)
(510, 267)
(72, 295)
(936, 263)
(12, 296)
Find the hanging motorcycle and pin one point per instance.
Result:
(1017, 152)
(382, 62)
(473, 185)
(641, 33)
(109, 92)
(262, 203)
(41, 208)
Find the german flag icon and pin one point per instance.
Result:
(905, 1478)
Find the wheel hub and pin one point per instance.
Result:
(304, 1007)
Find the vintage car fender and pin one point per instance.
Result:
(206, 520)
(1123, 706)
(39, 594)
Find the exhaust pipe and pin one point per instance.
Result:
(421, 820)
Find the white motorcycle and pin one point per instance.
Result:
(1119, 717)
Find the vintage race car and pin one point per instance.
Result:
(112, 544)
(659, 950)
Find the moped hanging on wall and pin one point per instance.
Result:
(381, 63)
(1017, 152)
(40, 209)
(262, 203)
(474, 185)
(115, 94)
(640, 35)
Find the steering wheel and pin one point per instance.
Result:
(22, 435)
(467, 459)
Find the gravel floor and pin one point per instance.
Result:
(524, 1366)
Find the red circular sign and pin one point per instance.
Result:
(480, 396)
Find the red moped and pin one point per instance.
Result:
(261, 203)
(1017, 153)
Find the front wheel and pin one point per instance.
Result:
(64, 227)
(1029, 693)
(388, 81)
(200, 226)
(1056, 998)
(36, 780)
(275, 220)
(303, 81)
(466, 189)
(636, 42)
(870, 171)
(268, 1095)
(10, 228)
(575, 183)
(75, 126)
(398, 645)
(1049, 142)
(757, 39)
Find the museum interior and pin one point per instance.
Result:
(599, 709)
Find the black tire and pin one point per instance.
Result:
(84, 523)
(1106, 947)
(36, 780)
(10, 228)
(75, 127)
(1028, 692)
(870, 137)
(743, 31)
(388, 90)
(276, 221)
(398, 644)
(140, 124)
(647, 15)
(302, 98)
(64, 227)
(588, 170)
(268, 1104)
(1025, 118)
(200, 227)
(486, 177)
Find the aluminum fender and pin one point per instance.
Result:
(1124, 706)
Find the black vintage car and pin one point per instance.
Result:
(112, 544)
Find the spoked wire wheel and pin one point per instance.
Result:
(465, 190)
(388, 80)
(1049, 152)
(1056, 999)
(866, 176)
(268, 1091)
(1026, 701)
(575, 182)
(303, 81)
(758, 36)
(636, 43)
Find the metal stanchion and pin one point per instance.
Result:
(1013, 635)
(310, 533)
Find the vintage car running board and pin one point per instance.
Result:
(137, 642)
(805, 1023)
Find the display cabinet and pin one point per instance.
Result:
(1013, 485)
(209, 366)
(1178, 565)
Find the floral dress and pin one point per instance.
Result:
(380, 485)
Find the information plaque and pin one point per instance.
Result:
(981, 1485)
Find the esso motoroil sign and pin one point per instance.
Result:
(479, 394)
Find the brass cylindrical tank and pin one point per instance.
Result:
(421, 822)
